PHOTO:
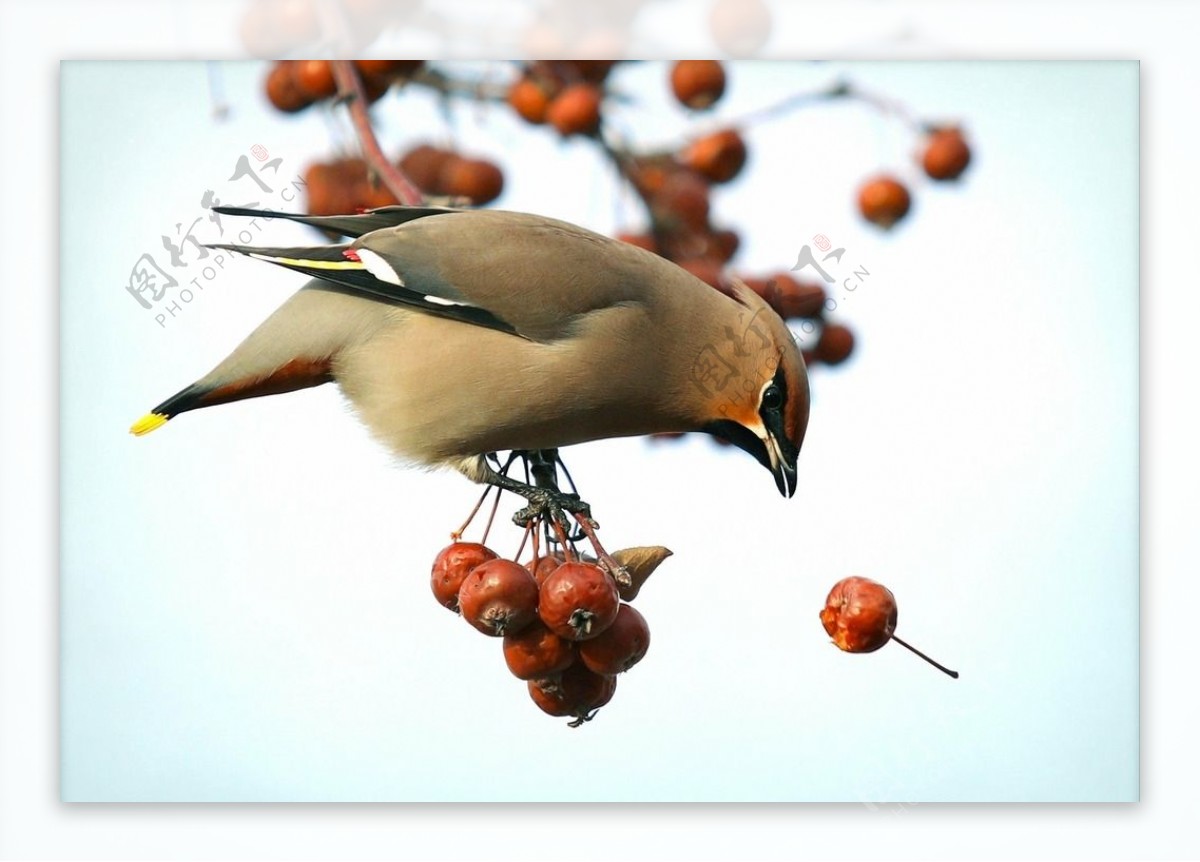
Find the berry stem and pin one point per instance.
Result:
(457, 534)
(913, 649)
(568, 549)
(619, 573)
(531, 527)
(492, 517)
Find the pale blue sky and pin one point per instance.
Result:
(246, 613)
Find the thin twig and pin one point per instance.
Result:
(886, 106)
(836, 90)
(350, 89)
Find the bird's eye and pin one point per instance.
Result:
(772, 398)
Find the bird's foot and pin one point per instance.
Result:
(552, 505)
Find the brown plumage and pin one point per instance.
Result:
(459, 333)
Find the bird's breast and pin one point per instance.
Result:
(433, 390)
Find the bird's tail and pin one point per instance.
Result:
(293, 375)
(292, 349)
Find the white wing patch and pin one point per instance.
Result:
(382, 270)
(437, 300)
(379, 267)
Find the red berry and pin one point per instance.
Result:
(681, 202)
(282, 90)
(337, 187)
(577, 692)
(479, 180)
(386, 69)
(314, 78)
(946, 154)
(835, 344)
(883, 201)
(423, 165)
(796, 298)
(620, 646)
(536, 652)
(859, 614)
(530, 99)
(373, 196)
(544, 566)
(718, 157)
(576, 110)
(451, 567)
(698, 84)
(578, 601)
(499, 597)
(374, 89)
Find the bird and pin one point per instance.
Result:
(456, 334)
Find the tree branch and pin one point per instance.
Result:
(350, 89)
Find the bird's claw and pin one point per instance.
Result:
(552, 505)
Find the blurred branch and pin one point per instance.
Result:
(479, 89)
(350, 89)
(837, 90)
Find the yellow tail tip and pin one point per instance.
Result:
(147, 423)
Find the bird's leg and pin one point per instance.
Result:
(545, 498)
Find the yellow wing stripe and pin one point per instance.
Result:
(313, 264)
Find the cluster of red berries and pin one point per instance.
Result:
(676, 186)
(884, 200)
(346, 185)
(860, 615)
(567, 626)
(565, 94)
(293, 85)
(440, 172)
(343, 186)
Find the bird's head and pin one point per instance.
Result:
(756, 388)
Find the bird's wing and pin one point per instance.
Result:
(340, 267)
(530, 275)
(541, 275)
(347, 225)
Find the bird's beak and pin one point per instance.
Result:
(764, 444)
(783, 470)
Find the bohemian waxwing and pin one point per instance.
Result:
(459, 333)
